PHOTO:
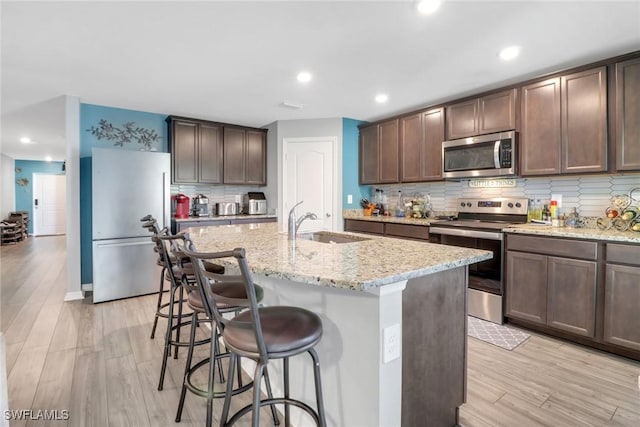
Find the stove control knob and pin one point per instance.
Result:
(468, 204)
(510, 205)
(518, 205)
(462, 205)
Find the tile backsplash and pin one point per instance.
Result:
(590, 194)
(215, 193)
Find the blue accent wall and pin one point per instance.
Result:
(24, 193)
(90, 116)
(350, 184)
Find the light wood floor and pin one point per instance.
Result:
(98, 362)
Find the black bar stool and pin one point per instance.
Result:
(232, 298)
(262, 334)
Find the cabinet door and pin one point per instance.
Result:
(540, 136)
(234, 157)
(369, 155)
(498, 112)
(389, 152)
(256, 160)
(210, 154)
(584, 121)
(622, 306)
(411, 141)
(362, 226)
(571, 295)
(184, 152)
(627, 112)
(462, 119)
(431, 153)
(526, 286)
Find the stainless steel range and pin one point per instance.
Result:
(479, 225)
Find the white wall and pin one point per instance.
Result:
(7, 186)
(72, 136)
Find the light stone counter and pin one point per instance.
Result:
(576, 233)
(223, 218)
(359, 266)
(393, 349)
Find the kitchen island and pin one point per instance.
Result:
(393, 350)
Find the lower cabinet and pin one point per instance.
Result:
(622, 296)
(389, 229)
(556, 291)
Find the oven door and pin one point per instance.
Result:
(485, 276)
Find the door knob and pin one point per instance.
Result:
(328, 215)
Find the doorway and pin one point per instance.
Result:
(49, 204)
(309, 174)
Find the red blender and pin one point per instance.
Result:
(182, 206)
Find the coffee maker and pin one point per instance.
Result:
(181, 206)
(200, 206)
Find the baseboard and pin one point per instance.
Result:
(72, 296)
(87, 287)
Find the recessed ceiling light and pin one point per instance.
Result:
(48, 159)
(304, 77)
(381, 98)
(508, 53)
(25, 140)
(427, 7)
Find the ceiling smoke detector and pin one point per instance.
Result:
(291, 105)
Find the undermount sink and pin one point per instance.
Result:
(329, 237)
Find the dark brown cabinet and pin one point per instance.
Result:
(379, 151)
(406, 231)
(546, 285)
(421, 137)
(196, 151)
(627, 114)
(491, 113)
(244, 156)
(564, 124)
(622, 296)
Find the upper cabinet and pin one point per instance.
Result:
(379, 151)
(196, 151)
(487, 114)
(214, 153)
(627, 114)
(245, 156)
(564, 124)
(421, 137)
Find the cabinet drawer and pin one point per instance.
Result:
(553, 246)
(624, 254)
(252, 220)
(408, 231)
(363, 226)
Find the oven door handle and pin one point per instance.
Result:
(496, 154)
(489, 235)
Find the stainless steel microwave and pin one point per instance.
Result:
(480, 156)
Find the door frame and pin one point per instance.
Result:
(336, 223)
(42, 175)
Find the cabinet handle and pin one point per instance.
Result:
(328, 215)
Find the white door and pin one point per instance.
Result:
(309, 175)
(49, 196)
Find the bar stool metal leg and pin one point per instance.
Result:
(159, 304)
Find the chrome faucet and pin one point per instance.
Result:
(294, 223)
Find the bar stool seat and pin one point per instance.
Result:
(284, 329)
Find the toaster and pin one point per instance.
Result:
(255, 203)
(227, 208)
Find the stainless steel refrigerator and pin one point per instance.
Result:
(127, 185)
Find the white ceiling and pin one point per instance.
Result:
(236, 61)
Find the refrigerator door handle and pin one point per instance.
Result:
(166, 208)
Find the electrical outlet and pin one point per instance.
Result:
(391, 343)
(349, 199)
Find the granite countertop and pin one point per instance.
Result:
(222, 218)
(393, 219)
(358, 266)
(576, 233)
(538, 229)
